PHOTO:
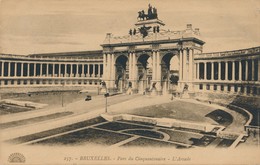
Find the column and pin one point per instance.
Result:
(98, 71)
(47, 69)
(15, 69)
(9, 69)
(240, 70)
(40, 69)
(130, 66)
(71, 70)
(198, 70)
(253, 70)
(246, 70)
(65, 70)
(154, 65)
(53, 70)
(104, 66)
(219, 71)
(258, 68)
(89, 70)
(94, 70)
(212, 71)
(233, 70)
(158, 84)
(108, 68)
(184, 76)
(205, 70)
(28, 70)
(113, 67)
(181, 66)
(59, 72)
(190, 64)
(34, 68)
(134, 70)
(77, 70)
(21, 70)
(226, 70)
(2, 70)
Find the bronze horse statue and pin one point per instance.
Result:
(142, 15)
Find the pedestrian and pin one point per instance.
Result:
(248, 132)
(254, 133)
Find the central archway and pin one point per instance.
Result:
(144, 72)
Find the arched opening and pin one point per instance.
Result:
(170, 72)
(121, 76)
(144, 72)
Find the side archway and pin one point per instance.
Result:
(121, 64)
(169, 72)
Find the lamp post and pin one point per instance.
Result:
(106, 94)
(62, 83)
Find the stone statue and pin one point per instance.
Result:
(144, 30)
(134, 32)
(130, 32)
(150, 12)
(155, 15)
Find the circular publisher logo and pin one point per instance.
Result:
(16, 158)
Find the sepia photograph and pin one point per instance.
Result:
(89, 82)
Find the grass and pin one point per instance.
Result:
(252, 104)
(182, 137)
(143, 142)
(86, 136)
(8, 109)
(221, 117)
(202, 142)
(176, 109)
(33, 120)
(225, 143)
(146, 133)
(55, 131)
(137, 122)
(52, 98)
(115, 126)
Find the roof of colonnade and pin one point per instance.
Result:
(254, 51)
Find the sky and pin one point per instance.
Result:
(44, 26)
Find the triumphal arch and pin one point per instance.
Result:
(141, 60)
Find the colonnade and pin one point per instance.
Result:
(233, 75)
(21, 69)
(243, 70)
(14, 72)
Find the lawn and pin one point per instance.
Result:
(176, 109)
(143, 142)
(55, 131)
(181, 137)
(115, 126)
(86, 136)
(33, 120)
(8, 109)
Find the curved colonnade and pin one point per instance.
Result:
(231, 71)
(17, 71)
